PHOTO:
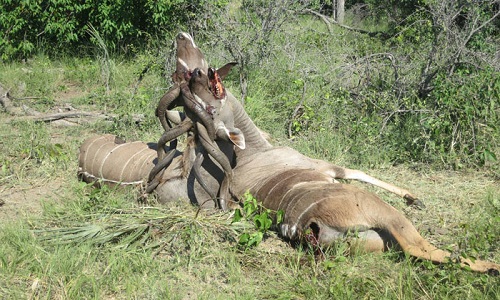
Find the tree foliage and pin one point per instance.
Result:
(405, 80)
(423, 90)
(63, 24)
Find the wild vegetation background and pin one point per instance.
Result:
(407, 89)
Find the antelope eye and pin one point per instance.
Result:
(180, 36)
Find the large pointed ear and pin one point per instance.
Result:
(237, 137)
(224, 70)
(233, 134)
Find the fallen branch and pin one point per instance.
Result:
(328, 21)
(64, 115)
(54, 117)
(27, 114)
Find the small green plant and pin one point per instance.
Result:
(259, 216)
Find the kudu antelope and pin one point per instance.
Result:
(198, 117)
(313, 203)
(281, 178)
(190, 57)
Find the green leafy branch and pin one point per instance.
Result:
(259, 216)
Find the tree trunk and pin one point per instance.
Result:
(340, 11)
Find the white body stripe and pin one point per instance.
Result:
(130, 159)
(106, 157)
(183, 63)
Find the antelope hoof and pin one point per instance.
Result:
(223, 204)
(410, 200)
(493, 272)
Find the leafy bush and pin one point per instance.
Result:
(63, 24)
(467, 116)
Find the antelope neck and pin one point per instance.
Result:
(253, 138)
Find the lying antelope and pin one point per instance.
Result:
(281, 178)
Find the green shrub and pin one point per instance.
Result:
(465, 125)
(62, 25)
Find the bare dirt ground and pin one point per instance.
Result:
(21, 196)
(22, 202)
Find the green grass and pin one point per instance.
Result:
(201, 263)
(199, 258)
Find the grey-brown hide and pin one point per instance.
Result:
(314, 204)
(188, 58)
(200, 86)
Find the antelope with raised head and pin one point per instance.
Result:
(199, 117)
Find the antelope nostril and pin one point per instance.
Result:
(211, 73)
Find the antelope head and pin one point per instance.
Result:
(210, 93)
(189, 57)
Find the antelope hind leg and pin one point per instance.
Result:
(414, 244)
(344, 173)
(344, 208)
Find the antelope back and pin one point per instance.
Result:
(292, 190)
(113, 161)
(108, 160)
(309, 198)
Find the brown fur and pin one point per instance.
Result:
(312, 201)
